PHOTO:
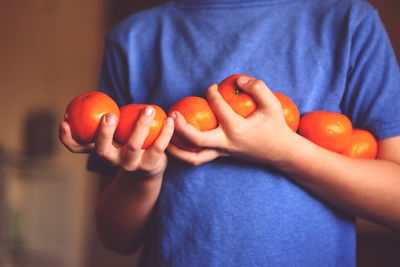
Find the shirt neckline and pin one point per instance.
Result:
(226, 3)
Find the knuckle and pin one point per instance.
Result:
(143, 123)
(212, 100)
(146, 167)
(195, 163)
(73, 149)
(258, 84)
(275, 105)
(131, 147)
(101, 154)
(100, 135)
(193, 139)
(169, 131)
(158, 149)
(237, 131)
(127, 166)
(145, 120)
(200, 141)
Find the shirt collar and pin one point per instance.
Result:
(228, 2)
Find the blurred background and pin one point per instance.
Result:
(50, 51)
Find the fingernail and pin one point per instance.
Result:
(170, 121)
(243, 80)
(110, 119)
(173, 115)
(148, 111)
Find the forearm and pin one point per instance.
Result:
(365, 188)
(124, 208)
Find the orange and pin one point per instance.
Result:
(128, 118)
(241, 102)
(329, 130)
(290, 111)
(84, 114)
(362, 145)
(196, 112)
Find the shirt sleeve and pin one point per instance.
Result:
(373, 88)
(114, 76)
(114, 82)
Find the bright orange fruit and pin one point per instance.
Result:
(362, 145)
(84, 114)
(329, 130)
(196, 112)
(241, 102)
(128, 118)
(290, 111)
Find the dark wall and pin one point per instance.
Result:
(389, 11)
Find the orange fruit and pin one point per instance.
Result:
(362, 145)
(290, 111)
(84, 113)
(329, 130)
(196, 112)
(128, 118)
(241, 102)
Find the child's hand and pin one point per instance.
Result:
(131, 156)
(264, 136)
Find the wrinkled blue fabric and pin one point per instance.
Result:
(329, 55)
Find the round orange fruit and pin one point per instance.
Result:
(84, 114)
(196, 112)
(129, 115)
(290, 111)
(329, 130)
(362, 145)
(241, 102)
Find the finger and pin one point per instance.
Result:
(157, 149)
(130, 159)
(214, 138)
(104, 138)
(70, 143)
(131, 154)
(194, 158)
(259, 91)
(141, 129)
(225, 114)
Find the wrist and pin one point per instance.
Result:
(299, 154)
(293, 152)
(139, 181)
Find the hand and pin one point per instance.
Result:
(129, 157)
(264, 136)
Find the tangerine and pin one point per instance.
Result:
(329, 130)
(196, 112)
(362, 145)
(128, 118)
(241, 102)
(84, 113)
(290, 111)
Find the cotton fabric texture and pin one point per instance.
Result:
(331, 55)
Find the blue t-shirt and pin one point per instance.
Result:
(329, 55)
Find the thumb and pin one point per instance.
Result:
(259, 91)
